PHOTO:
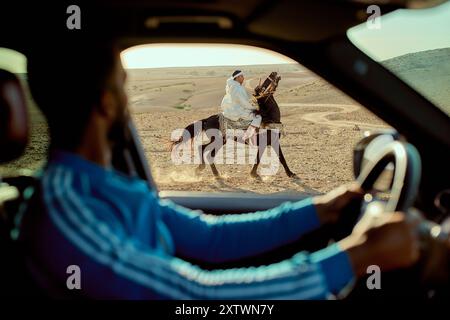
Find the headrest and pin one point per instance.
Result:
(13, 117)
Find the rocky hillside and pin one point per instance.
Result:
(426, 71)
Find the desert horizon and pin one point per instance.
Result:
(321, 123)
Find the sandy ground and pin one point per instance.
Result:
(322, 126)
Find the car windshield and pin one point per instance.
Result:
(414, 45)
(175, 88)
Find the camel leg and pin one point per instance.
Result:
(209, 123)
(202, 165)
(200, 168)
(283, 162)
(259, 154)
(213, 166)
(279, 152)
(211, 157)
(288, 171)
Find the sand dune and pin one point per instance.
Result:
(322, 124)
(322, 127)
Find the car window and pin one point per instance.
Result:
(35, 153)
(171, 86)
(415, 45)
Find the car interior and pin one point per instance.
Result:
(311, 32)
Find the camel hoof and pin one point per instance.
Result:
(255, 176)
(293, 176)
(199, 170)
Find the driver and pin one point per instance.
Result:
(127, 241)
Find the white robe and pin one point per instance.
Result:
(236, 104)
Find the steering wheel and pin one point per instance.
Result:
(407, 173)
(404, 188)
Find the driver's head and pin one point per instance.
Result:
(238, 75)
(76, 84)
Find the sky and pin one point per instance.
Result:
(191, 55)
(405, 31)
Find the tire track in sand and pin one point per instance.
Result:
(321, 117)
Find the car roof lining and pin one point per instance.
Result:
(290, 20)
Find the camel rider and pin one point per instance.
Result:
(236, 104)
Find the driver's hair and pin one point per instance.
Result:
(66, 81)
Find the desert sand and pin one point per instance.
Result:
(321, 123)
(322, 126)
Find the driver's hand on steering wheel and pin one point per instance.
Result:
(392, 243)
(330, 206)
